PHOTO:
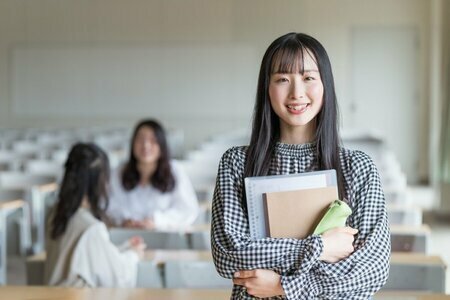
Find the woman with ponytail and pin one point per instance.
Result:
(79, 251)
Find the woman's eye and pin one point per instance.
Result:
(309, 78)
(282, 80)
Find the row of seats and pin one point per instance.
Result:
(195, 269)
(408, 232)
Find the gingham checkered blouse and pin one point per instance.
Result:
(303, 276)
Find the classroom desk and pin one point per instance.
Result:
(52, 293)
(150, 269)
(410, 238)
(408, 271)
(415, 271)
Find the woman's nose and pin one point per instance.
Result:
(297, 89)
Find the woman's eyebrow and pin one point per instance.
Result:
(311, 70)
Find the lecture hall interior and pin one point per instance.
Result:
(87, 71)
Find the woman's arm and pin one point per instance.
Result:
(117, 200)
(232, 248)
(184, 206)
(366, 270)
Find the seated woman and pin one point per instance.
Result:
(79, 251)
(150, 191)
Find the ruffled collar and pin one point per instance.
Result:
(295, 149)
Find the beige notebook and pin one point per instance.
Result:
(295, 214)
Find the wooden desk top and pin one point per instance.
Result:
(416, 259)
(413, 230)
(11, 204)
(53, 293)
(48, 187)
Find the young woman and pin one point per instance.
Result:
(295, 131)
(151, 191)
(79, 252)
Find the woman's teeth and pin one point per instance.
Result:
(297, 107)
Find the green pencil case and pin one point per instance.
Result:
(336, 216)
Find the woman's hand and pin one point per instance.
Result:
(147, 223)
(137, 244)
(260, 283)
(144, 224)
(129, 223)
(337, 244)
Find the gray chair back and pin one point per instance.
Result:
(153, 239)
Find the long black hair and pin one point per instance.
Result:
(163, 178)
(86, 174)
(286, 55)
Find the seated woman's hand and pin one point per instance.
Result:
(137, 244)
(337, 244)
(147, 223)
(144, 224)
(129, 223)
(260, 283)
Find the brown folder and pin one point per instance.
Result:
(295, 214)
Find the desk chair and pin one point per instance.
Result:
(43, 197)
(404, 215)
(153, 239)
(200, 240)
(149, 274)
(44, 167)
(35, 268)
(416, 272)
(7, 208)
(410, 238)
(193, 274)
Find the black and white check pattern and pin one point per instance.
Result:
(303, 275)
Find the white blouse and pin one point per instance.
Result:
(170, 210)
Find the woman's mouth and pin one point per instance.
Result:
(298, 108)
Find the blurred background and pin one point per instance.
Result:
(97, 66)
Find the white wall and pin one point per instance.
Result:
(244, 27)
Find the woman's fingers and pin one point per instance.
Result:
(245, 274)
(348, 230)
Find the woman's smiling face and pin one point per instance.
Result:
(297, 98)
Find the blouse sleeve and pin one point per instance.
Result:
(232, 247)
(116, 211)
(184, 206)
(366, 270)
(100, 263)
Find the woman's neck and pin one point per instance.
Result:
(85, 202)
(146, 171)
(297, 134)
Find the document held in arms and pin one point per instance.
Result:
(292, 206)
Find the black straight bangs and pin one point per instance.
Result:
(289, 59)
